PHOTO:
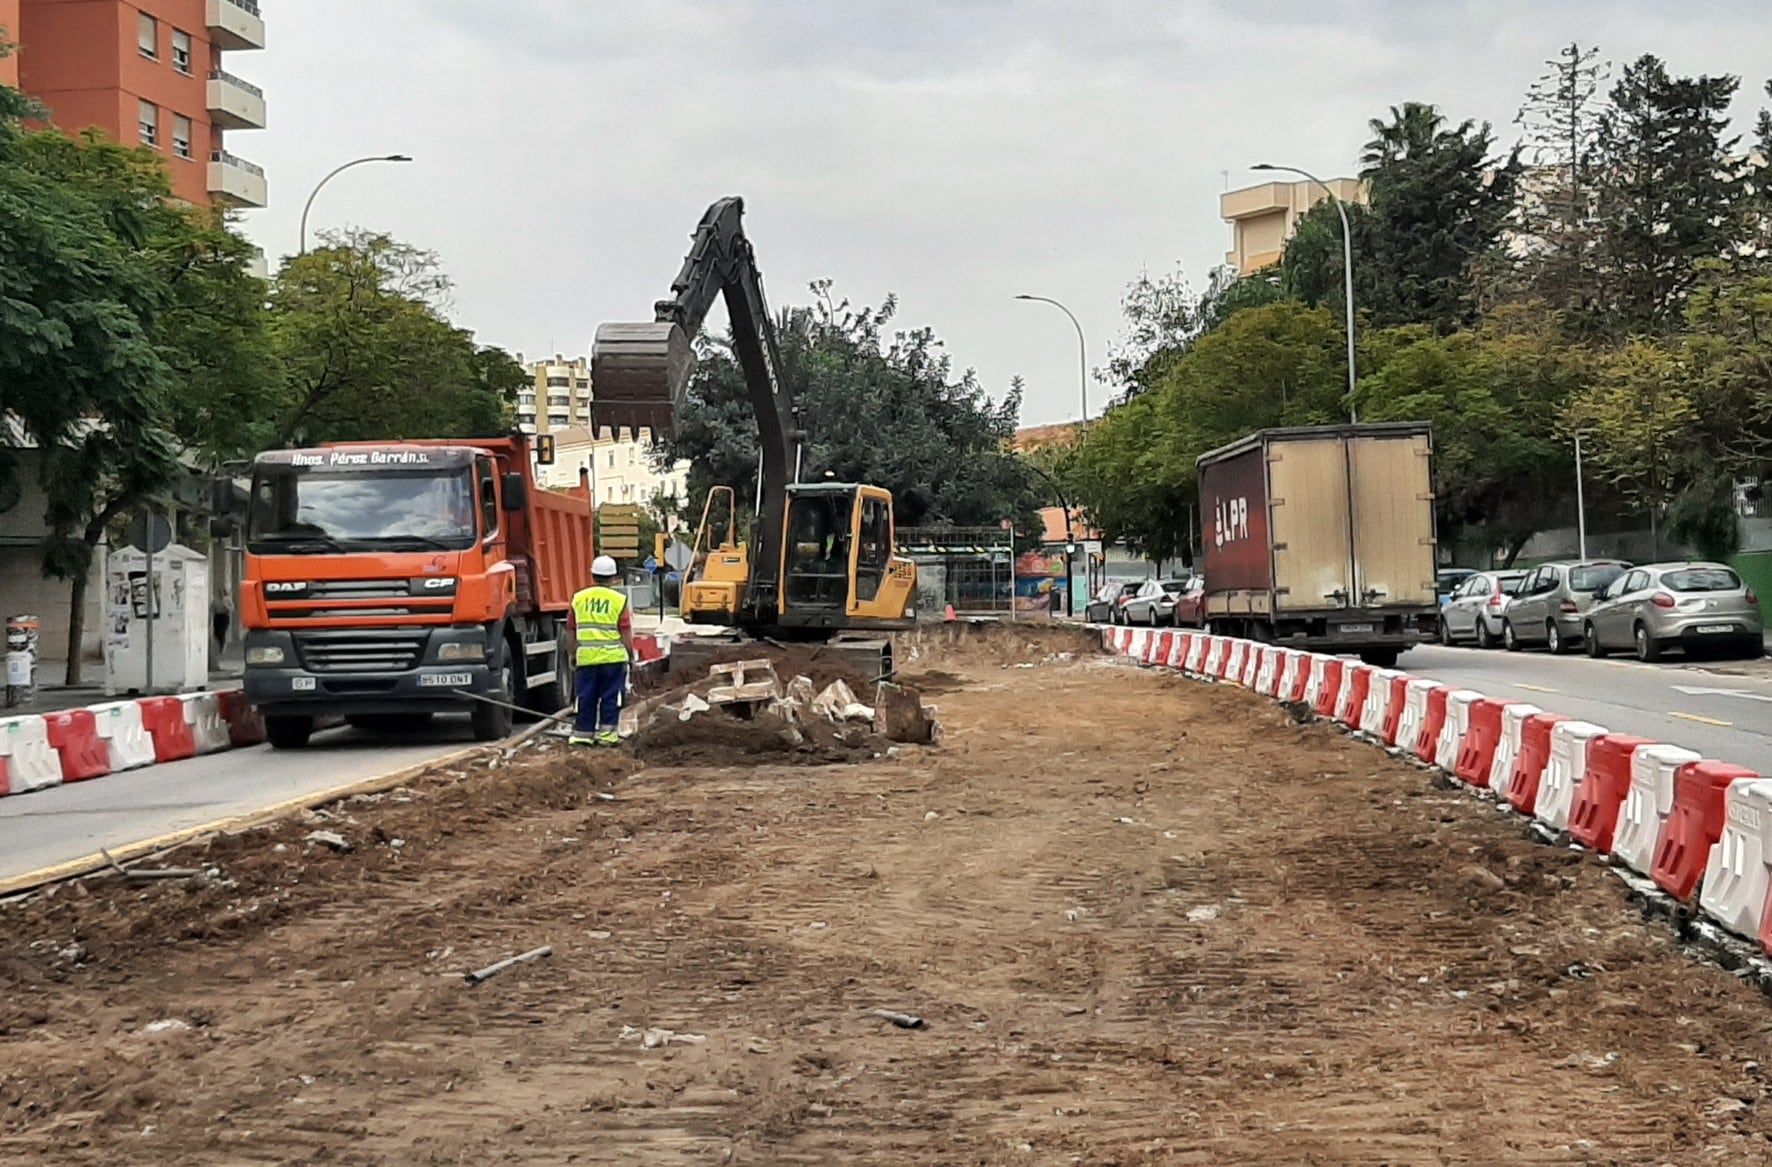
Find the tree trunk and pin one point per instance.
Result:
(76, 625)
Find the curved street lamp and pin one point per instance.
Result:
(1347, 270)
(309, 205)
(1082, 347)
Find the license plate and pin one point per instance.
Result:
(1704, 629)
(302, 684)
(1353, 628)
(445, 680)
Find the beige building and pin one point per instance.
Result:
(620, 469)
(558, 397)
(1262, 218)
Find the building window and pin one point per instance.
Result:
(181, 51)
(559, 382)
(612, 459)
(150, 115)
(181, 135)
(149, 36)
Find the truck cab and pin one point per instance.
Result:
(387, 582)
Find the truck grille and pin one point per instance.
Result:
(356, 589)
(359, 652)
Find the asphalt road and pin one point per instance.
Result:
(1719, 715)
(65, 823)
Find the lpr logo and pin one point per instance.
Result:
(1231, 522)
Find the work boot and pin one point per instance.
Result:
(581, 739)
(609, 738)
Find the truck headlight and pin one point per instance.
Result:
(461, 650)
(264, 655)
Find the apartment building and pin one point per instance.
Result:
(149, 72)
(559, 397)
(620, 468)
(1262, 218)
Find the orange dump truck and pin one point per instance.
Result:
(386, 582)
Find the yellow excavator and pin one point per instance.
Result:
(819, 564)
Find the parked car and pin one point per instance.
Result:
(1155, 602)
(1475, 608)
(1551, 607)
(1190, 603)
(1449, 579)
(1691, 606)
(1105, 607)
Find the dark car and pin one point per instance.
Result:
(1109, 600)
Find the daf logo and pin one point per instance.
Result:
(274, 589)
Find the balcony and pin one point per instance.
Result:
(236, 24)
(235, 182)
(235, 104)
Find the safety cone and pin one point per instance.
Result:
(949, 616)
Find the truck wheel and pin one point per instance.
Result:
(493, 722)
(1381, 658)
(288, 731)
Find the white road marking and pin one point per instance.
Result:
(1702, 691)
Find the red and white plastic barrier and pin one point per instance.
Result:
(31, 761)
(1568, 762)
(1414, 713)
(1736, 872)
(1513, 724)
(1198, 646)
(1456, 724)
(1646, 807)
(1600, 795)
(73, 734)
(126, 739)
(1700, 790)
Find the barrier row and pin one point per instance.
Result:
(1699, 828)
(76, 745)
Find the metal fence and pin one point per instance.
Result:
(970, 568)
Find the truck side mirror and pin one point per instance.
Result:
(221, 496)
(516, 493)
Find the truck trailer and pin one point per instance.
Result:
(388, 581)
(1322, 538)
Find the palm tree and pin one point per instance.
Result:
(1413, 129)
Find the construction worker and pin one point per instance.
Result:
(603, 629)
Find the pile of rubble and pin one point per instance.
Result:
(749, 690)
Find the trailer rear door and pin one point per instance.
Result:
(1308, 502)
(1391, 488)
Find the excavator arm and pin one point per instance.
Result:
(640, 372)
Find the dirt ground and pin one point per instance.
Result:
(1145, 920)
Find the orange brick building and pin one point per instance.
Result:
(9, 35)
(149, 72)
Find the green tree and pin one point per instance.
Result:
(1440, 199)
(890, 412)
(1668, 193)
(359, 328)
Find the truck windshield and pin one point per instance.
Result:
(308, 511)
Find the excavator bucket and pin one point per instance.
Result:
(639, 376)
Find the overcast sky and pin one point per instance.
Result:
(954, 152)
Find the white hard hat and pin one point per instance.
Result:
(603, 565)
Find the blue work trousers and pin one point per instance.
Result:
(600, 689)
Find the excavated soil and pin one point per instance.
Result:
(1146, 921)
(717, 739)
(791, 661)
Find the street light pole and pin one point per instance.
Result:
(1082, 347)
(1347, 271)
(309, 205)
(1580, 500)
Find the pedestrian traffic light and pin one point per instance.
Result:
(659, 542)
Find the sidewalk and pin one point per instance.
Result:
(54, 698)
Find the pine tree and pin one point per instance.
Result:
(1554, 231)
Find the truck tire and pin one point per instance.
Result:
(493, 722)
(1381, 658)
(288, 731)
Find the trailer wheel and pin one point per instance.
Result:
(1381, 658)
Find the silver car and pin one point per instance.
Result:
(1691, 606)
(1551, 607)
(1474, 610)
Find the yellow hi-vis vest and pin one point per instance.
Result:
(596, 612)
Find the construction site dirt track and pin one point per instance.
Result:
(1145, 920)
